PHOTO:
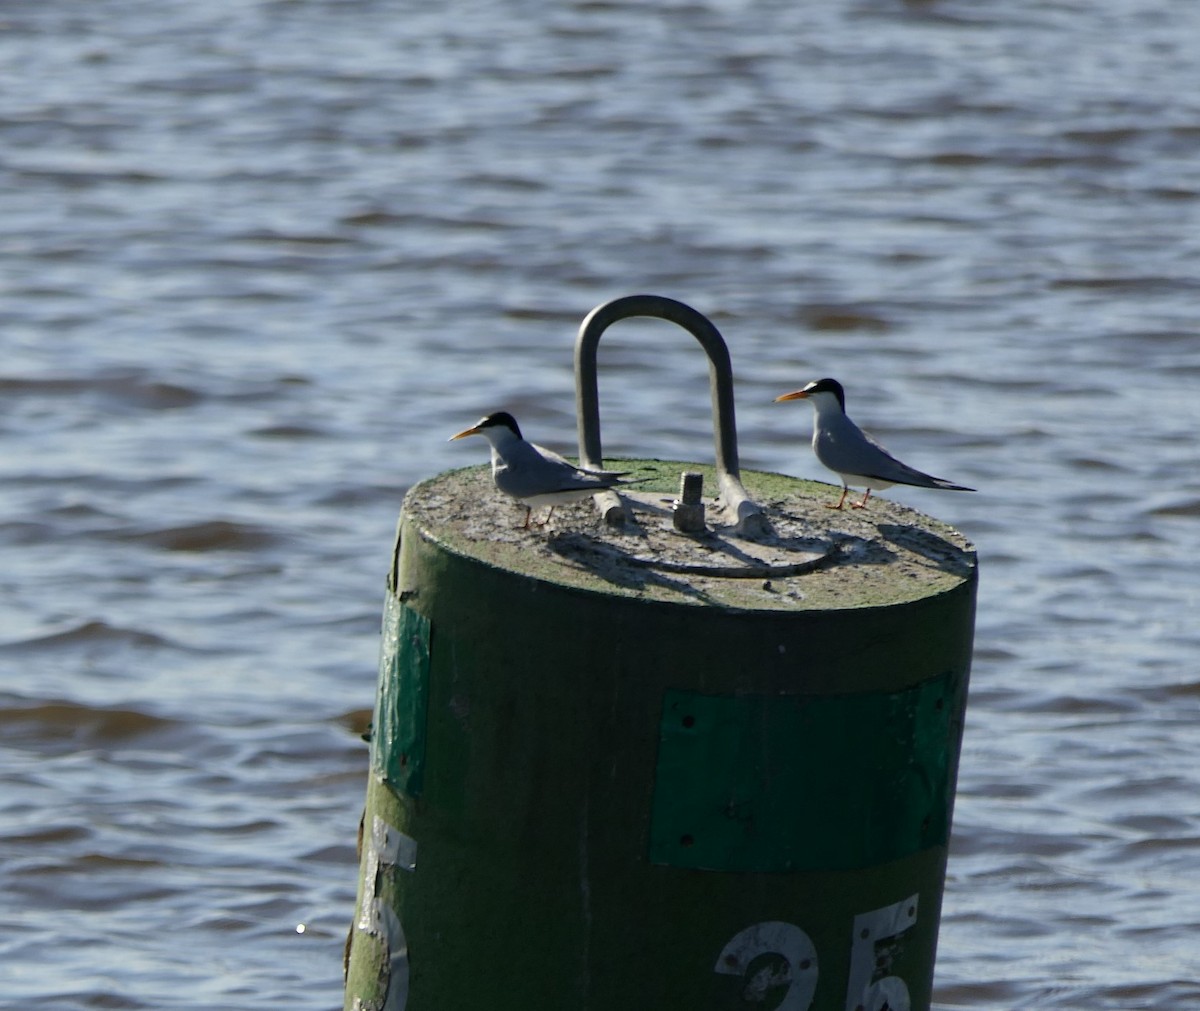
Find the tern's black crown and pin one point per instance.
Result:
(828, 386)
(501, 419)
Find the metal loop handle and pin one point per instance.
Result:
(744, 513)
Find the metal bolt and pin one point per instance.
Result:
(689, 510)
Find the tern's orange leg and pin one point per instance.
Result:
(830, 505)
(863, 503)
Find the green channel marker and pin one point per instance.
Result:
(626, 767)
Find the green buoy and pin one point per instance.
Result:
(616, 764)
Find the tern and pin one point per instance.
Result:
(850, 453)
(533, 475)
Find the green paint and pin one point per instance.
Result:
(534, 736)
(398, 742)
(803, 783)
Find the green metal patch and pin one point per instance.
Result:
(398, 740)
(796, 783)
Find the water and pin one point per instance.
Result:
(258, 261)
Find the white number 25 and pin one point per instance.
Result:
(795, 961)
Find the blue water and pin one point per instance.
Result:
(258, 260)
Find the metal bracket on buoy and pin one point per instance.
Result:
(745, 515)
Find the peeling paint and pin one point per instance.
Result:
(397, 946)
(389, 851)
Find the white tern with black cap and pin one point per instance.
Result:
(533, 475)
(850, 453)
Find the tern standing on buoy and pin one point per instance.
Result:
(533, 475)
(850, 453)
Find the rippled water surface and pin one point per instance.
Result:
(259, 259)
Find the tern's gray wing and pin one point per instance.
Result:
(845, 448)
(527, 470)
(549, 454)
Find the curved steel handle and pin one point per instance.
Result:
(744, 513)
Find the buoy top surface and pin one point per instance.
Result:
(810, 558)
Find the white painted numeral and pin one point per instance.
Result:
(797, 965)
(889, 993)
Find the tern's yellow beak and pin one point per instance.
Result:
(473, 430)
(794, 395)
